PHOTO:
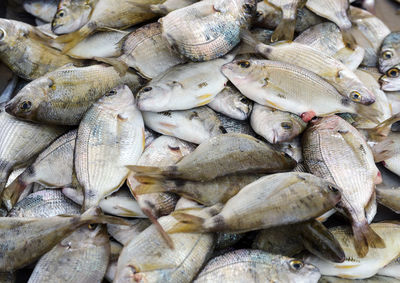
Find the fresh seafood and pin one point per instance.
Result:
(389, 55)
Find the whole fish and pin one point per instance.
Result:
(391, 80)
(147, 258)
(21, 141)
(52, 168)
(327, 38)
(110, 137)
(64, 95)
(274, 125)
(244, 266)
(195, 125)
(24, 50)
(355, 267)
(223, 155)
(103, 14)
(391, 270)
(329, 68)
(71, 15)
(147, 51)
(273, 200)
(207, 29)
(125, 233)
(45, 203)
(42, 9)
(184, 86)
(286, 27)
(335, 11)
(269, 16)
(24, 240)
(81, 257)
(369, 32)
(170, 5)
(261, 81)
(390, 52)
(334, 150)
(164, 151)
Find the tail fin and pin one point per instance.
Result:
(383, 129)
(284, 31)
(118, 65)
(348, 38)
(158, 226)
(364, 237)
(248, 38)
(154, 172)
(150, 188)
(93, 215)
(12, 193)
(187, 223)
(72, 39)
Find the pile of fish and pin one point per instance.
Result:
(198, 141)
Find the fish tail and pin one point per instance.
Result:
(94, 215)
(12, 193)
(156, 187)
(364, 237)
(72, 39)
(348, 38)
(284, 31)
(118, 65)
(384, 150)
(187, 223)
(383, 129)
(159, 228)
(154, 172)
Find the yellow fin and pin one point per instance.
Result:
(346, 266)
(284, 31)
(204, 102)
(167, 125)
(187, 223)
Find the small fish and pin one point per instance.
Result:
(24, 50)
(147, 51)
(110, 137)
(390, 52)
(42, 9)
(274, 125)
(125, 233)
(391, 80)
(184, 86)
(45, 203)
(232, 103)
(196, 125)
(207, 29)
(64, 95)
(223, 155)
(243, 266)
(171, 5)
(289, 198)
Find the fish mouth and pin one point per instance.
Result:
(9, 108)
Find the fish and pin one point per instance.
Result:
(236, 126)
(354, 266)
(390, 81)
(52, 168)
(327, 38)
(195, 125)
(220, 156)
(214, 28)
(103, 14)
(64, 95)
(369, 32)
(24, 240)
(274, 125)
(124, 233)
(325, 66)
(184, 86)
(290, 198)
(147, 258)
(254, 266)
(23, 49)
(81, 257)
(147, 51)
(286, 27)
(44, 10)
(71, 15)
(336, 151)
(163, 151)
(43, 204)
(170, 5)
(389, 197)
(121, 203)
(21, 141)
(232, 103)
(261, 81)
(110, 137)
(391, 270)
(335, 11)
(389, 55)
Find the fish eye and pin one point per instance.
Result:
(243, 100)
(61, 13)
(387, 54)
(333, 188)
(296, 264)
(92, 226)
(147, 88)
(286, 125)
(2, 33)
(25, 106)
(355, 96)
(393, 73)
(243, 64)
(111, 92)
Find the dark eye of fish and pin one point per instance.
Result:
(92, 226)
(286, 125)
(111, 92)
(393, 73)
(296, 264)
(147, 88)
(243, 64)
(26, 105)
(355, 96)
(61, 14)
(243, 100)
(387, 54)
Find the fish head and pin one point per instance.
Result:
(11, 32)
(299, 271)
(157, 94)
(391, 80)
(283, 131)
(358, 92)
(390, 52)
(243, 105)
(26, 103)
(71, 16)
(243, 73)
(118, 98)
